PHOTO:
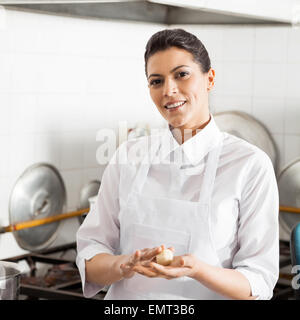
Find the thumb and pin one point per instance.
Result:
(187, 261)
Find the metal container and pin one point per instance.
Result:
(245, 126)
(289, 194)
(9, 281)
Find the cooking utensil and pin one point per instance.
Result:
(89, 190)
(9, 281)
(38, 222)
(245, 126)
(39, 193)
(289, 194)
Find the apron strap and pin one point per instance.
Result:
(142, 171)
(210, 173)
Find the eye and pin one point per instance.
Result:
(155, 82)
(182, 74)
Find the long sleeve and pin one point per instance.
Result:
(99, 233)
(258, 235)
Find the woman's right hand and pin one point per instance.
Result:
(137, 258)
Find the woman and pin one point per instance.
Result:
(210, 197)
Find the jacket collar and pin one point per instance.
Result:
(196, 147)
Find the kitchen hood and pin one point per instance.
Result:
(282, 12)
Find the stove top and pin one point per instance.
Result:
(51, 277)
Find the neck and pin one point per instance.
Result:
(184, 133)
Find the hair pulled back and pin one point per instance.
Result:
(179, 38)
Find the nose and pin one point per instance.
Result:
(170, 87)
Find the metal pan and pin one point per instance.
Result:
(245, 126)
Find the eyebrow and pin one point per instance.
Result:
(174, 69)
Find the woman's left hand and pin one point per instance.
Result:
(181, 266)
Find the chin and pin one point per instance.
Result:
(176, 124)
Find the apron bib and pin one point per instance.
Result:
(147, 222)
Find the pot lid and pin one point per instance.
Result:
(289, 194)
(38, 193)
(245, 126)
(89, 190)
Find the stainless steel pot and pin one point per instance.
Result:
(9, 281)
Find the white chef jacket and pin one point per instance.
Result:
(244, 202)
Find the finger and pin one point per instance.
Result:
(163, 272)
(145, 271)
(167, 272)
(148, 266)
(125, 268)
(187, 261)
(172, 249)
(158, 268)
(151, 253)
(177, 262)
(150, 249)
(135, 257)
(183, 263)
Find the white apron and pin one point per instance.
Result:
(147, 222)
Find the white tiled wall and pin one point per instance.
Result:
(63, 78)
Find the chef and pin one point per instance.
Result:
(209, 197)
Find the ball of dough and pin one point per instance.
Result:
(165, 257)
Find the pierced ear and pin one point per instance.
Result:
(211, 77)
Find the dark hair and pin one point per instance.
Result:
(180, 38)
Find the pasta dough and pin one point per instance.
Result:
(165, 257)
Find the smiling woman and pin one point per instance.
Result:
(179, 78)
(180, 93)
(209, 197)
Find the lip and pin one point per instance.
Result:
(172, 102)
(174, 109)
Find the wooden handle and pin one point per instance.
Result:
(289, 209)
(39, 222)
(62, 216)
